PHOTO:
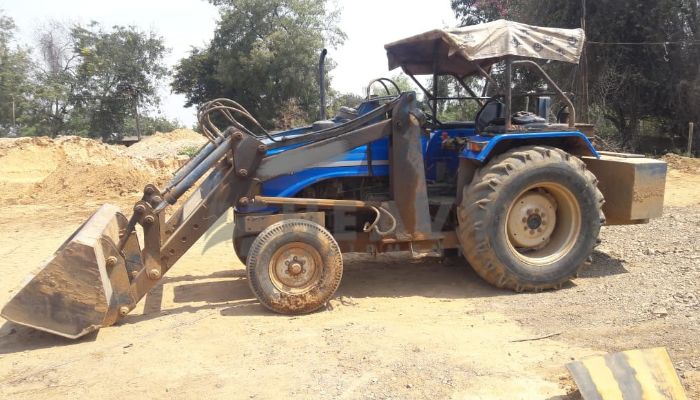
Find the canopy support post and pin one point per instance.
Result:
(435, 80)
(509, 93)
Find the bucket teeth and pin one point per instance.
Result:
(81, 287)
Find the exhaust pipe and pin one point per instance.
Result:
(322, 83)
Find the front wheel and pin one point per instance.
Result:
(294, 266)
(530, 219)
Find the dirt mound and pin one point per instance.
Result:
(167, 145)
(69, 170)
(682, 164)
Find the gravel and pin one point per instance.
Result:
(642, 290)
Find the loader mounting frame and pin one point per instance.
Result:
(117, 271)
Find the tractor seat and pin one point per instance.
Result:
(527, 118)
(346, 114)
(321, 125)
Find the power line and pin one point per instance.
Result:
(690, 43)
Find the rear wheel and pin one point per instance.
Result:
(294, 266)
(530, 219)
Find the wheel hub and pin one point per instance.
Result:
(295, 267)
(532, 220)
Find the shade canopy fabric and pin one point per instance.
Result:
(458, 51)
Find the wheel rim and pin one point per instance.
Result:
(295, 268)
(543, 224)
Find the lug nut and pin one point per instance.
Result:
(111, 261)
(154, 274)
(243, 172)
(124, 311)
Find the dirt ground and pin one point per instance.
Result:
(397, 328)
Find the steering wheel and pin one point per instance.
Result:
(383, 82)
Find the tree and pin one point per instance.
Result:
(264, 55)
(338, 100)
(54, 78)
(630, 83)
(119, 71)
(472, 12)
(15, 65)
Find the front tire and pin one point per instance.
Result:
(530, 219)
(294, 267)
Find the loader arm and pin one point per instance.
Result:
(102, 271)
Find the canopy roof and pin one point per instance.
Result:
(457, 51)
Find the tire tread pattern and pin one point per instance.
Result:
(318, 296)
(479, 197)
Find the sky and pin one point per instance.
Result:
(187, 23)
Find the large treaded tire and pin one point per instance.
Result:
(495, 189)
(267, 247)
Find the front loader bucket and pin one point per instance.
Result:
(81, 287)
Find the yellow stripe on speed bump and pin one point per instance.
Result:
(630, 375)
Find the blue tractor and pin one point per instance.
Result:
(522, 195)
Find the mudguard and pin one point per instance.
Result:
(489, 146)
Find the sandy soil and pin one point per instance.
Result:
(396, 329)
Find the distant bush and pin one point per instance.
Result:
(188, 151)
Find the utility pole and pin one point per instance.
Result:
(14, 117)
(691, 130)
(136, 115)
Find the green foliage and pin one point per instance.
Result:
(456, 110)
(472, 12)
(628, 84)
(189, 151)
(150, 125)
(402, 81)
(15, 65)
(118, 71)
(263, 55)
(351, 100)
(86, 80)
(54, 80)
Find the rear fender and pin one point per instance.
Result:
(575, 143)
